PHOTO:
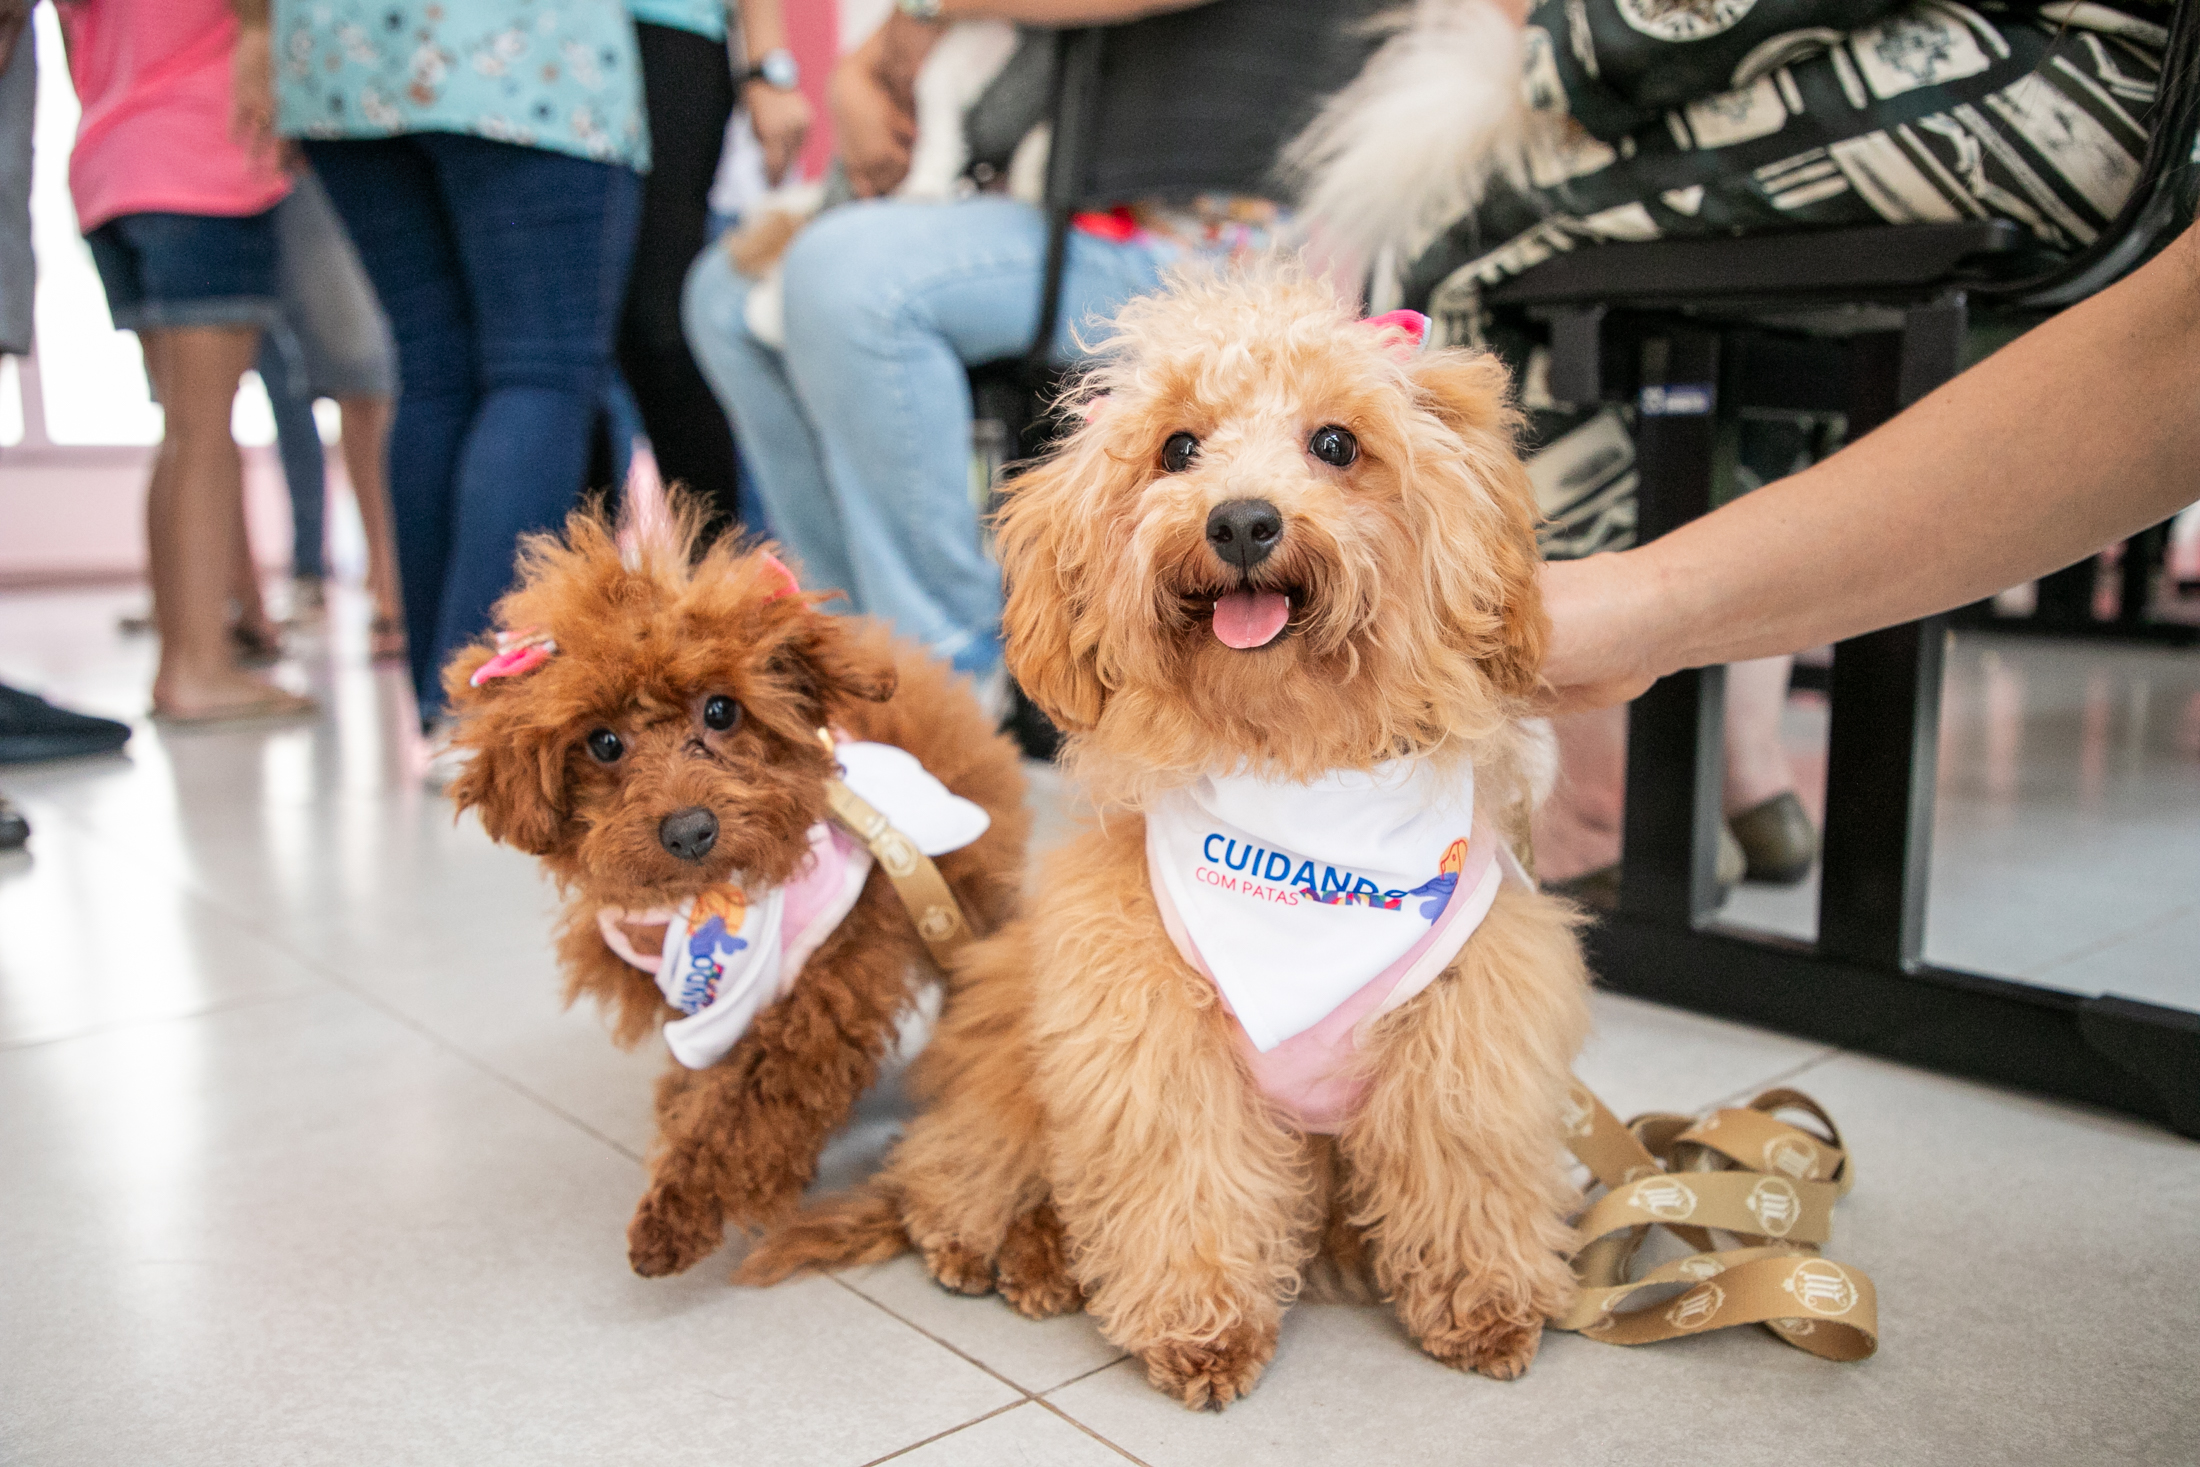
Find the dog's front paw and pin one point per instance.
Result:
(1210, 1374)
(673, 1229)
(1487, 1341)
(957, 1266)
(1033, 1267)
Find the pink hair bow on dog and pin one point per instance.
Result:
(1411, 325)
(788, 585)
(519, 651)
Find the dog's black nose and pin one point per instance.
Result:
(688, 834)
(1244, 531)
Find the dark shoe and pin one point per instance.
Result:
(32, 729)
(1778, 840)
(1598, 890)
(14, 829)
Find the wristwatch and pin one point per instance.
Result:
(924, 10)
(775, 68)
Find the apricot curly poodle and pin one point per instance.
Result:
(682, 684)
(1283, 544)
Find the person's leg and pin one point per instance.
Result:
(545, 240)
(342, 348)
(254, 631)
(387, 195)
(366, 435)
(1577, 830)
(18, 120)
(779, 448)
(194, 518)
(690, 95)
(1756, 759)
(886, 304)
(298, 446)
(197, 290)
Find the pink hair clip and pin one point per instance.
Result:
(1412, 325)
(788, 585)
(519, 651)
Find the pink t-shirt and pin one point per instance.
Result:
(153, 79)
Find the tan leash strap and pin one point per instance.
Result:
(1739, 1171)
(923, 891)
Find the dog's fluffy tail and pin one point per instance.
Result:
(1408, 146)
(862, 1226)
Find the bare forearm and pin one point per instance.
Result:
(250, 12)
(763, 27)
(2083, 431)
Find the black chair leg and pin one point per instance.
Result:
(1883, 738)
(1674, 731)
(1882, 753)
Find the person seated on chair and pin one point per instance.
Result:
(858, 432)
(1488, 135)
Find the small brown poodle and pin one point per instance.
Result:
(1280, 588)
(648, 725)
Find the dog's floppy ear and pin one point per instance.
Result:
(1470, 392)
(831, 663)
(515, 778)
(1041, 532)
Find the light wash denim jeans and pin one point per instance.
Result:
(859, 434)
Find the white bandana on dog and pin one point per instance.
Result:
(1316, 907)
(730, 950)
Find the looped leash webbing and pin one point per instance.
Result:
(923, 891)
(1769, 1185)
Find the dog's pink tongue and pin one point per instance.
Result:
(1246, 619)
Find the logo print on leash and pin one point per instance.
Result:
(1665, 1199)
(1792, 1155)
(1822, 1287)
(1775, 1205)
(1695, 1307)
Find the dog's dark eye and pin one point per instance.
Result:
(1179, 451)
(721, 712)
(1334, 446)
(605, 746)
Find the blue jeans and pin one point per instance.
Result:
(502, 269)
(333, 342)
(858, 436)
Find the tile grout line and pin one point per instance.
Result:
(194, 890)
(952, 1430)
(477, 1064)
(120, 1026)
(1745, 1093)
(965, 1356)
(2103, 944)
(1032, 1397)
(1087, 1375)
(1042, 1401)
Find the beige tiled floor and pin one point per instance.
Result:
(300, 1162)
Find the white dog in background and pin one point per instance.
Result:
(960, 67)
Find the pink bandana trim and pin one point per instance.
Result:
(519, 651)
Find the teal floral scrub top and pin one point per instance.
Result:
(556, 74)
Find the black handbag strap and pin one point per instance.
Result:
(1075, 112)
